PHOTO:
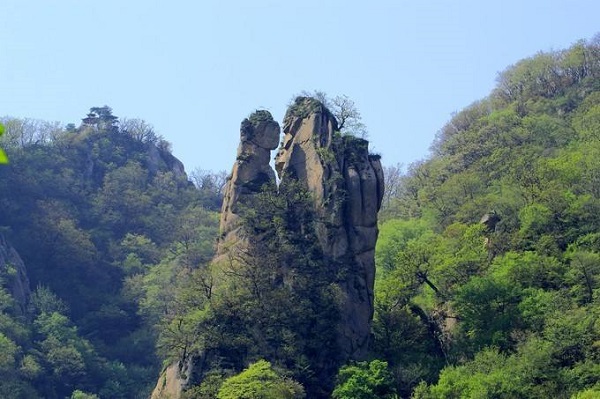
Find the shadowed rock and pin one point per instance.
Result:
(346, 184)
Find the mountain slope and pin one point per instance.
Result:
(105, 221)
(489, 259)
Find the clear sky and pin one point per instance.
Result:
(195, 69)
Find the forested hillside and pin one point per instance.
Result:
(489, 251)
(107, 225)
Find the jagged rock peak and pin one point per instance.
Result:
(302, 107)
(259, 135)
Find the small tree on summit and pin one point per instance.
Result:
(140, 130)
(102, 118)
(345, 112)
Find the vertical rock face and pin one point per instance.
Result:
(18, 284)
(347, 188)
(259, 135)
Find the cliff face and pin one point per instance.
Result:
(259, 135)
(18, 282)
(346, 184)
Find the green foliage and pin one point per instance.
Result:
(108, 227)
(8, 351)
(3, 157)
(587, 394)
(510, 308)
(77, 394)
(395, 234)
(587, 120)
(584, 275)
(260, 116)
(364, 381)
(260, 381)
(488, 310)
(208, 389)
(118, 242)
(342, 108)
(276, 299)
(44, 301)
(302, 106)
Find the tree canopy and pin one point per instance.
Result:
(488, 256)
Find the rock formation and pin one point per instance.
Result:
(173, 380)
(259, 135)
(18, 282)
(346, 184)
(346, 187)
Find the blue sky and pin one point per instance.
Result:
(195, 69)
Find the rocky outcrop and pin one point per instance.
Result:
(160, 159)
(490, 220)
(346, 187)
(173, 380)
(346, 184)
(16, 278)
(259, 135)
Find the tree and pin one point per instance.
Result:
(393, 177)
(260, 381)
(139, 130)
(22, 132)
(365, 381)
(8, 352)
(43, 300)
(345, 111)
(211, 185)
(488, 311)
(77, 394)
(3, 157)
(592, 393)
(102, 118)
(585, 274)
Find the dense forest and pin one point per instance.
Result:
(107, 224)
(489, 252)
(488, 261)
